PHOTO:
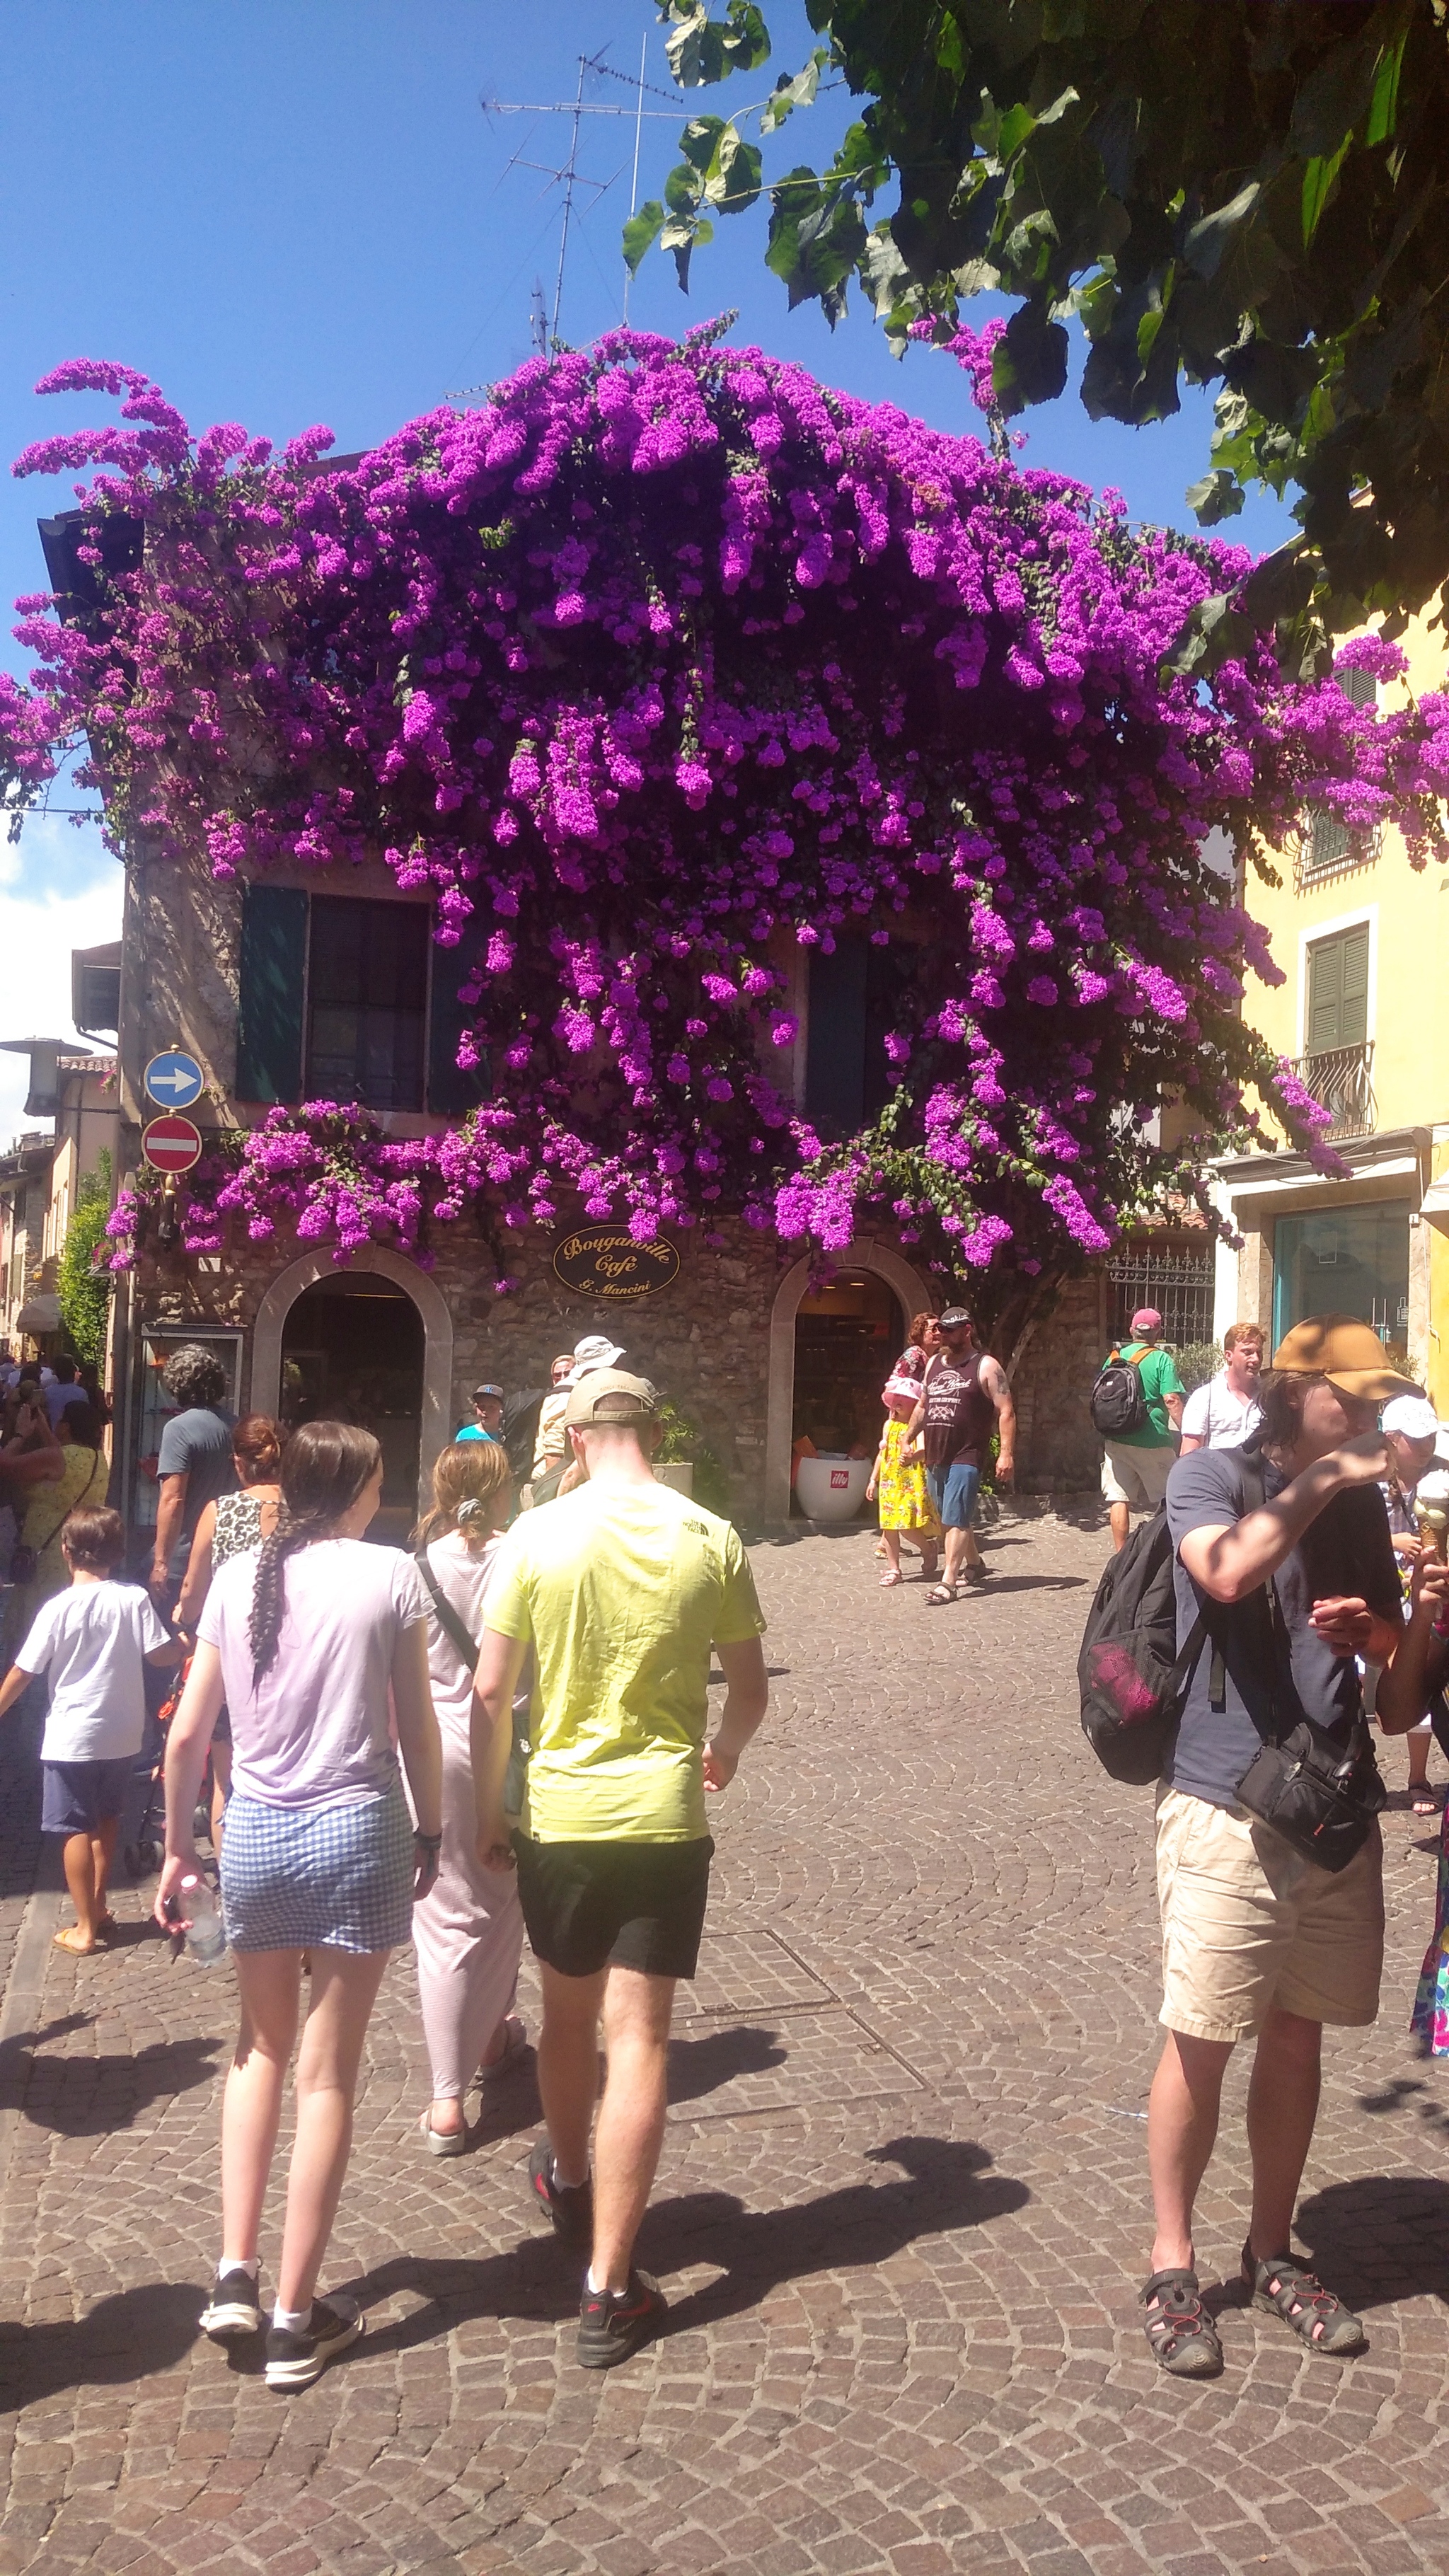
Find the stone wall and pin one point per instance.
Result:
(1057, 1449)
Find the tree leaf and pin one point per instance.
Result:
(1218, 496)
(1030, 364)
(641, 232)
(787, 95)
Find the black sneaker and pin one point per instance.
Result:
(295, 2360)
(235, 2309)
(614, 2323)
(570, 2207)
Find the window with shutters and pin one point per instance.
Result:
(854, 1004)
(1327, 847)
(367, 1002)
(1336, 1013)
(342, 998)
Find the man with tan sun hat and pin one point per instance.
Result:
(1285, 1576)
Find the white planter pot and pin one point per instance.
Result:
(832, 1489)
(679, 1473)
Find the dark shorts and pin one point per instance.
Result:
(589, 1906)
(80, 1797)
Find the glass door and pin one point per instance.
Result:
(1345, 1261)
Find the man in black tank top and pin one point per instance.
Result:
(964, 1398)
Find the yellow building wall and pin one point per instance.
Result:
(1407, 911)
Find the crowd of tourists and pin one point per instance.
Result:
(504, 1735)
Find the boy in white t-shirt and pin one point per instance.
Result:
(91, 1643)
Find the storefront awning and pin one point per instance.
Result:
(1435, 1202)
(39, 1314)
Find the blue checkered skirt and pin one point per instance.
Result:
(335, 1877)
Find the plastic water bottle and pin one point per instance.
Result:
(206, 1939)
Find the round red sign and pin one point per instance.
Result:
(171, 1144)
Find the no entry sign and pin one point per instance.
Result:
(171, 1144)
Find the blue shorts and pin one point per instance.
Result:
(80, 1797)
(953, 1491)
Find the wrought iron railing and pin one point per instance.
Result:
(1341, 1078)
(1177, 1281)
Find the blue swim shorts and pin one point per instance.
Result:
(953, 1491)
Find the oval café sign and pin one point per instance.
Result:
(605, 1261)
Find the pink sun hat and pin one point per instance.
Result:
(896, 1385)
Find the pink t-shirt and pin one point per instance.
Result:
(319, 1727)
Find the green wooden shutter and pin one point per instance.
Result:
(452, 1091)
(1337, 1013)
(273, 987)
(835, 1039)
(1353, 1010)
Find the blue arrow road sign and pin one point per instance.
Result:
(174, 1079)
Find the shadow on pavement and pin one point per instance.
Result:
(121, 2339)
(949, 2184)
(87, 2097)
(1032, 1583)
(1380, 2238)
(698, 2066)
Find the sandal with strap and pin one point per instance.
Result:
(1180, 2333)
(1291, 2291)
(941, 1592)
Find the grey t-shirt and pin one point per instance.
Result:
(197, 1445)
(1346, 1551)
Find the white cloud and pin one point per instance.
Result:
(59, 890)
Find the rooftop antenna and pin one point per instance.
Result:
(568, 175)
(538, 319)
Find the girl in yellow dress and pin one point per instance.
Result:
(906, 1508)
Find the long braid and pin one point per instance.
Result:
(325, 1467)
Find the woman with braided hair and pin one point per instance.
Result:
(308, 1640)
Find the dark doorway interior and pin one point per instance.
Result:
(352, 1351)
(846, 1337)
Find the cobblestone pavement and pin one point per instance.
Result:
(900, 2215)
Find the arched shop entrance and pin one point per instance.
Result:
(373, 1346)
(830, 1352)
(352, 1351)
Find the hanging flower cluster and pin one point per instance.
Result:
(663, 673)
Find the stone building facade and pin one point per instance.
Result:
(294, 1326)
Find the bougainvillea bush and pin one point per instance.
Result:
(661, 672)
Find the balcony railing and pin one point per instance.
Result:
(1342, 1079)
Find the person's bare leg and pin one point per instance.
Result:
(1282, 2107)
(955, 1544)
(103, 1848)
(270, 1982)
(890, 1540)
(930, 1552)
(637, 2011)
(970, 1552)
(344, 1990)
(568, 2068)
(80, 1878)
(1182, 2125)
(1120, 1516)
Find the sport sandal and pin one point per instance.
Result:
(1180, 2333)
(1291, 2291)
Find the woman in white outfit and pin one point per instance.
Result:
(468, 1932)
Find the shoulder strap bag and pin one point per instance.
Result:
(1321, 1796)
(468, 1650)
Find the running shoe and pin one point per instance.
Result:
(235, 2309)
(571, 2207)
(614, 2323)
(295, 2360)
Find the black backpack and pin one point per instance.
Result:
(1132, 1677)
(1117, 1404)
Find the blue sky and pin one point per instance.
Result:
(292, 214)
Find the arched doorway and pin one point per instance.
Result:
(352, 1351)
(373, 1341)
(831, 1353)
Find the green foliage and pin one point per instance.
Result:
(83, 1289)
(1246, 196)
(1196, 1363)
(683, 1439)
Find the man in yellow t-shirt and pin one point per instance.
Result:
(621, 1589)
